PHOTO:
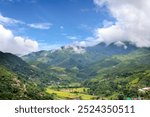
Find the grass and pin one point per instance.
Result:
(58, 69)
(70, 93)
(75, 90)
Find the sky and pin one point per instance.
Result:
(32, 25)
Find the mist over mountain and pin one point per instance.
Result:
(70, 56)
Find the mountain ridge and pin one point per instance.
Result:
(111, 71)
(67, 55)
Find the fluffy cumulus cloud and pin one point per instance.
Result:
(15, 44)
(132, 22)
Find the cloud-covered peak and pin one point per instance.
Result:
(76, 49)
(121, 44)
(132, 22)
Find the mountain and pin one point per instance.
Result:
(70, 57)
(120, 75)
(15, 64)
(25, 70)
(76, 56)
(114, 71)
(14, 87)
(18, 80)
(10, 85)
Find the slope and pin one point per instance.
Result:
(121, 75)
(15, 87)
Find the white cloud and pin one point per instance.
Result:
(16, 44)
(132, 22)
(90, 41)
(8, 21)
(72, 37)
(121, 44)
(110, 34)
(40, 25)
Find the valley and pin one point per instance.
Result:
(102, 71)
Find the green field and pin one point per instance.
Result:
(70, 93)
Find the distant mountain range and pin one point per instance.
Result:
(114, 71)
(76, 56)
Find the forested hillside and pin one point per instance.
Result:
(121, 76)
(15, 87)
(73, 72)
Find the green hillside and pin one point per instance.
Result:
(15, 87)
(121, 74)
(103, 71)
(75, 56)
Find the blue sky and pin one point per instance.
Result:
(60, 22)
(32, 25)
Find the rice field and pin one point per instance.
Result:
(70, 93)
